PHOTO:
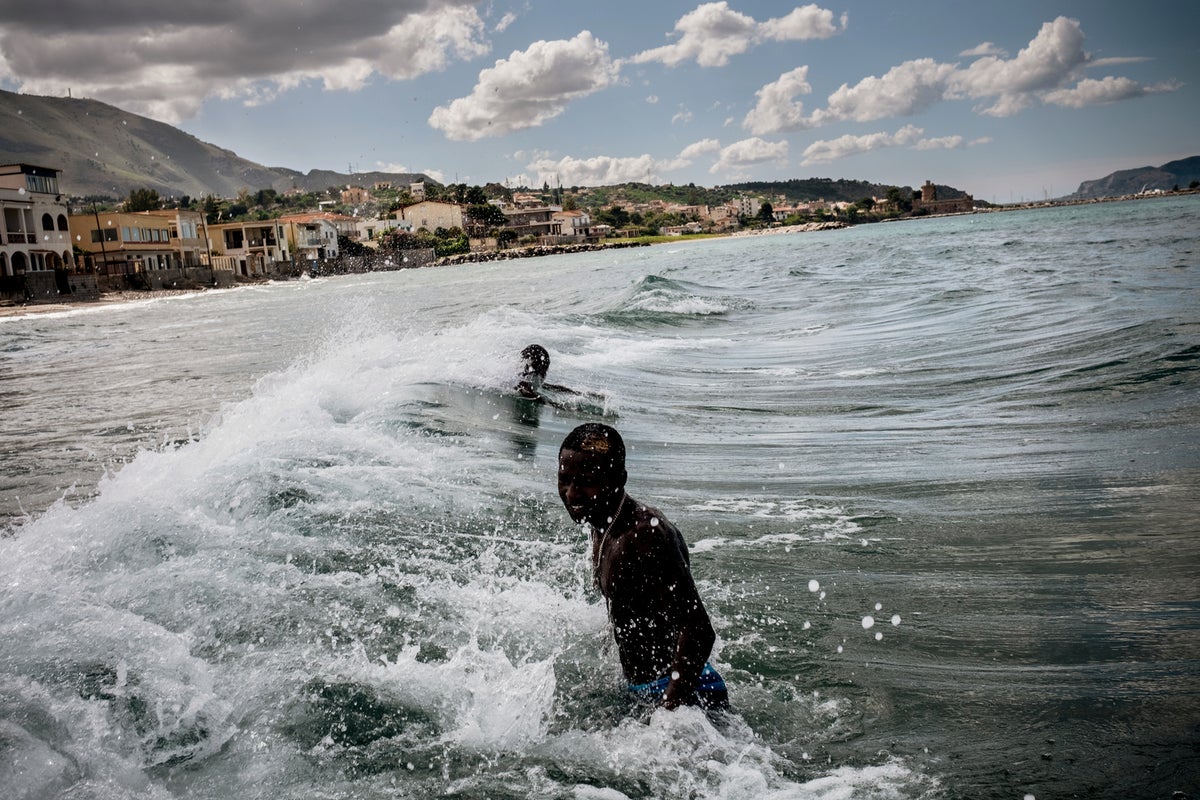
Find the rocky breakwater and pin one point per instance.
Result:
(530, 252)
(806, 227)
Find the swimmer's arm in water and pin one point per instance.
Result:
(526, 390)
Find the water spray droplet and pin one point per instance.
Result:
(814, 585)
(879, 606)
(878, 636)
(868, 622)
(896, 619)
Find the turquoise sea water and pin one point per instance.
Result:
(939, 478)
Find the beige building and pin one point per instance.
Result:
(35, 232)
(576, 224)
(355, 196)
(188, 234)
(432, 215)
(124, 242)
(250, 249)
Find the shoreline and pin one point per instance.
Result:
(106, 300)
(127, 296)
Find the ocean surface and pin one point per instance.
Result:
(940, 480)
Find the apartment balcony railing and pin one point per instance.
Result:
(18, 238)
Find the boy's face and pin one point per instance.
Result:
(589, 485)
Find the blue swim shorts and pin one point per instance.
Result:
(709, 691)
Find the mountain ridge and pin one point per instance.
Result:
(105, 151)
(1180, 172)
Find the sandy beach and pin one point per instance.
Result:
(105, 300)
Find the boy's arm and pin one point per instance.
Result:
(696, 635)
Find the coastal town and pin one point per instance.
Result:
(55, 249)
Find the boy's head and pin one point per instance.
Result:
(591, 472)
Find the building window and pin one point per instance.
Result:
(41, 183)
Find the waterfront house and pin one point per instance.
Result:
(35, 238)
(536, 222)
(312, 237)
(186, 231)
(431, 215)
(250, 249)
(576, 224)
(123, 242)
(368, 230)
(161, 248)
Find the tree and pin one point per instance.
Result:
(211, 209)
(266, 198)
(143, 200)
(485, 215)
(766, 213)
(894, 195)
(615, 216)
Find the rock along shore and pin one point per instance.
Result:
(807, 227)
(530, 252)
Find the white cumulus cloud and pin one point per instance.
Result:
(777, 109)
(804, 22)
(739, 157)
(940, 143)
(831, 150)
(1090, 92)
(1047, 70)
(713, 32)
(608, 170)
(700, 148)
(596, 171)
(903, 90)
(528, 88)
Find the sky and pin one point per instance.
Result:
(1020, 100)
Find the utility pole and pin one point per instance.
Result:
(100, 233)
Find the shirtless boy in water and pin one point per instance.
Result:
(535, 363)
(640, 564)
